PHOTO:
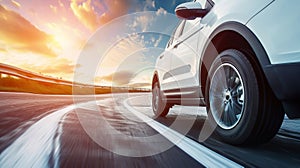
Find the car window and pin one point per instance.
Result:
(177, 33)
(206, 3)
(187, 26)
(170, 42)
(202, 2)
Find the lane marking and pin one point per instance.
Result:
(39, 142)
(200, 153)
(39, 145)
(35, 146)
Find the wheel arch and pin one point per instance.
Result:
(222, 39)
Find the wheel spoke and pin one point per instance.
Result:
(228, 74)
(231, 118)
(224, 116)
(226, 96)
(235, 83)
(236, 107)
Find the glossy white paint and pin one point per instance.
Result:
(186, 49)
(163, 65)
(280, 20)
(189, 5)
(186, 55)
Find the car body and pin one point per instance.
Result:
(238, 56)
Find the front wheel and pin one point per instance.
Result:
(239, 102)
(159, 104)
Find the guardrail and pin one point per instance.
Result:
(21, 73)
(14, 71)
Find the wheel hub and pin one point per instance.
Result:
(226, 96)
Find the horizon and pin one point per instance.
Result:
(47, 37)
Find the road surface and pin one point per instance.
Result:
(119, 130)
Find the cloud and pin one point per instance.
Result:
(139, 85)
(161, 11)
(61, 4)
(92, 15)
(115, 8)
(19, 34)
(118, 78)
(53, 8)
(57, 67)
(15, 4)
(122, 50)
(149, 5)
(157, 42)
(85, 13)
(124, 78)
(142, 22)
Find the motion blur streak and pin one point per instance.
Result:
(200, 153)
(38, 146)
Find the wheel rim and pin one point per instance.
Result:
(155, 98)
(226, 96)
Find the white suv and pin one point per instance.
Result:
(240, 59)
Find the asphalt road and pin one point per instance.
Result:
(106, 131)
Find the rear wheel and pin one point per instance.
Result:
(159, 104)
(239, 102)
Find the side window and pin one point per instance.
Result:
(191, 23)
(188, 25)
(202, 2)
(170, 42)
(179, 30)
(177, 33)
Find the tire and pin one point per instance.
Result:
(240, 103)
(160, 106)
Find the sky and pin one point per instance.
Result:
(119, 39)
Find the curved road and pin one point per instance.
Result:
(118, 130)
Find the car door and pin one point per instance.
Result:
(184, 65)
(163, 64)
(185, 56)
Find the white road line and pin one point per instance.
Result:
(39, 142)
(200, 153)
(34, 147)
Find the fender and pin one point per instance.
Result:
(210, 49)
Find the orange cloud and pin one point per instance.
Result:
(58, 67)
(86, 13)
(16, 4)
(19, 34)
(115, 8)
(53, 8)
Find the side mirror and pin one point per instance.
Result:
(190, 10)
